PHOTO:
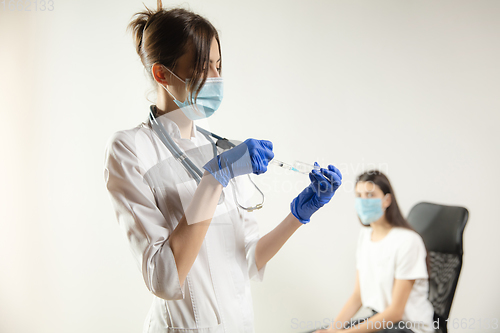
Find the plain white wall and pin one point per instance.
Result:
(410, 87)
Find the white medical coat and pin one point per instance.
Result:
(150, 191)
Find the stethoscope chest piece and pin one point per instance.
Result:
(224, 144)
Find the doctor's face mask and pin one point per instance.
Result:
(207, 102)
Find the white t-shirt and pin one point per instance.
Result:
(399, 255)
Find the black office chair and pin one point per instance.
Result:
(441, 227)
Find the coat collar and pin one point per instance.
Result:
(171, 126)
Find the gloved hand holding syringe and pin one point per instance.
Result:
(297, 166)
(258, 154)
(318, 193)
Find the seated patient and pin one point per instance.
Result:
(392, 275)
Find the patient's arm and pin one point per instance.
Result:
(394, 312)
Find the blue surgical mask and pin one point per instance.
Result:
(208, 100)
(369, 210)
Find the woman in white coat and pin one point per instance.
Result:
(196, 247)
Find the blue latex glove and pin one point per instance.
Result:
(250, 156)
(317, 194)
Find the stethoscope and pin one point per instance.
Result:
(186, 162)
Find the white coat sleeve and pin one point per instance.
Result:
(251, 239)
(251, 228)
(139, 218)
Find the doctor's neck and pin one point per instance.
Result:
(166, 106)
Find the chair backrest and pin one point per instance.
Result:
(441, 227)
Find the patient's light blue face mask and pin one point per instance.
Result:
(369, 210)
(208, 100)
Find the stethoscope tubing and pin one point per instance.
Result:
(186, 162)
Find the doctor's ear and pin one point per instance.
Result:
(386, 202)
(160, 74)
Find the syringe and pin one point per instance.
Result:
(297, 166)
(304, 167)
(301, 167)
(285, 165)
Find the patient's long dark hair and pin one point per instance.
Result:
(392, 213)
